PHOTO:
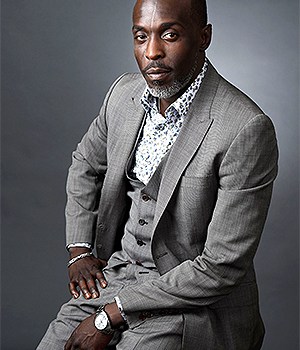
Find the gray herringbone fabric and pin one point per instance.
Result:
(211, 208)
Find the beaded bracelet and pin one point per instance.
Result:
(120, 307)
(78, 257)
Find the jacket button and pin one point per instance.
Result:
(142, 222)
(140, 242)
(145, 197)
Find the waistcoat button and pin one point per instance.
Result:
(142, 222)
(145, 197)
(140, 242)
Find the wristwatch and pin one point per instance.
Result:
(102, 322)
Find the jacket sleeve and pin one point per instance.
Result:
(85, 179)
(246, 176)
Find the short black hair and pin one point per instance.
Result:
(199, 12)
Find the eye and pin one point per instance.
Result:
(140, 37)
(170, 36)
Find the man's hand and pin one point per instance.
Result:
(87, 337)
(84, 273)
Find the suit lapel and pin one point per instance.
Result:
(132, 129)
(194, 129)
(133, 117)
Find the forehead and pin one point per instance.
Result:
(154, 12)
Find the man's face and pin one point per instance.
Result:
(168, 45)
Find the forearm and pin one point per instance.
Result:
(114, 315)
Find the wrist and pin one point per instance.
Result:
(108, 318)
(79, 257)
(77, 251)
(102, 322)
(114, 315)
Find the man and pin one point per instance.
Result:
(171, 185)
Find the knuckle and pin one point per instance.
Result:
(82, 278)
(96, 269)
(73, 280)
(90, 282)
(82, 284)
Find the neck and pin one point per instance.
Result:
(165, 103)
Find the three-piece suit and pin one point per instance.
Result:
(212, 196)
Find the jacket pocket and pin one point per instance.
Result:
(197, 181)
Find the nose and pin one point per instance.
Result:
(154, 49)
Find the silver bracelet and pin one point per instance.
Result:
(78, 257)
(79, 245)
(120, 307)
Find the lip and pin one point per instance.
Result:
(157, 73)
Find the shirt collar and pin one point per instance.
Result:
(182, 104)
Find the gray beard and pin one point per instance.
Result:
(170, 91)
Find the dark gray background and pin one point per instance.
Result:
(58, 60)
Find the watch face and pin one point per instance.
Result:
(101, 321)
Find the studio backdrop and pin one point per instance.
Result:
(59, 57)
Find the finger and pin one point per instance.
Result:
(84, 288)
(67, 346)
(93, 288)
(100, 277)
(73, 290)
(103, 262)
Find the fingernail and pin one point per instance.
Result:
(103, 284)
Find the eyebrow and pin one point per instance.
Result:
(163, 26)
(170, 24)
(137, 28)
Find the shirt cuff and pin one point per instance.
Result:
(79, 245)
(120, 307)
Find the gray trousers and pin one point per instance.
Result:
(158, 332)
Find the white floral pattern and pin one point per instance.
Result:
(160, 132)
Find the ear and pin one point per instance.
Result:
(205, 37)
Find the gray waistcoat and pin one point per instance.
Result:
(138, 231)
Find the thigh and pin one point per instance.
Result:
(75, 311)
(159, 333)
(67, 319)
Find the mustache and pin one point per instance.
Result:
(156, 64)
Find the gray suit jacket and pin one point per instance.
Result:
(211, 208)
